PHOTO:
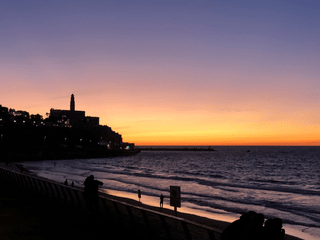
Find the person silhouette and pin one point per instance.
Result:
(273, 229)
(161, 200)
(254, 230)
(236, 229)
(91, 195)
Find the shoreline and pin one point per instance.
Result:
(199, 216)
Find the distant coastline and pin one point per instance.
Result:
(14, 153)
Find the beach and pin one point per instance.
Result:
(29, 216)
(278, 182)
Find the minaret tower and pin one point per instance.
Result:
(72, 104)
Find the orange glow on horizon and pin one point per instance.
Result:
(175, 124)
(155, 115)
(229, 142)
(166, 73)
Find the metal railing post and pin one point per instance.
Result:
(146, 220)
(64, 194)
(40, 187)
(29, 181)
(57, 190)
(11, 176)
(8, 176)
(165, 227)
(69, 192)
(77, 197)
(52, 191)
(45, 188)
(211, 234)
(18, 177)
(131, 217)
(1, 173)
(105, 206)
(25, 181)
(35, 185)
(117, 211)
(186, 230)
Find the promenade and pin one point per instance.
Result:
(30, 215)
(25, 216)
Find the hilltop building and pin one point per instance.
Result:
(71, 118)
(4, 115)
(77, 119)
(61, 127)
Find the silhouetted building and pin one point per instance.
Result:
(77, 119)
(18, 117)
(72, 103)
(36, 119)
(91, 121)
(4, 115)
(19, 113)
(62, 128)
(71, 118)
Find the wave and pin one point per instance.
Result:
(278, 182)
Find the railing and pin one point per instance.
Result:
(141, 221)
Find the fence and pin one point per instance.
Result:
(143, 222)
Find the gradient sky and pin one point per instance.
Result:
(169, 72)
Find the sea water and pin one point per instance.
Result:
(279, 182)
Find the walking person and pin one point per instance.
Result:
(161, 200)
(91, 195)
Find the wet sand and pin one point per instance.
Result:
(28, 216)
(191, 217)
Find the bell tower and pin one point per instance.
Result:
(72, 103)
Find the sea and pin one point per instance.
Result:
(281, 182)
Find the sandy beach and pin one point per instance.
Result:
(25, 215)
(221, 225)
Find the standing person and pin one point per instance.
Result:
(91, 195)
(161, 200)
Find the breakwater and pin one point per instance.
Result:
(201, 149)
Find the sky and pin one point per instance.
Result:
(169, 72)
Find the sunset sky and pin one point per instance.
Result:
(169, 72)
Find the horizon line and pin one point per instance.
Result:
(227, 145)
